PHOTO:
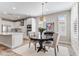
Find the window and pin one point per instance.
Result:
(62, 25)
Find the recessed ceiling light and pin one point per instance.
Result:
(13, 8)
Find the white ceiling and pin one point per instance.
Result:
(17, 10)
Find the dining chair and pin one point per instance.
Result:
(32, 35)
(54, 43)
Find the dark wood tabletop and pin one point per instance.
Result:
(44, 39)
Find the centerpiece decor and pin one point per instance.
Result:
(41, 30)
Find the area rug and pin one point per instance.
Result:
(26, 51)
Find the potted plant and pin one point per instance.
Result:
(41, 30)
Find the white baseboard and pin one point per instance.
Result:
(69, 43)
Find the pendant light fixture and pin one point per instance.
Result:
(44, 8)
(41, 18)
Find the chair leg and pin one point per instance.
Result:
(35, 46)
(57, 48)
(44, 47)
(29, 44)
(55, 51)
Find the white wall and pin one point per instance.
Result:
(74, 37)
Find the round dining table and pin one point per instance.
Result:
(40, 41)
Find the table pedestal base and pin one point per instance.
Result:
(42, 49)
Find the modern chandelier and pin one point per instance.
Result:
(42, 18)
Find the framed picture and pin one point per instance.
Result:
(50, 26)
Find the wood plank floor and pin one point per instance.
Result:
(5, 51)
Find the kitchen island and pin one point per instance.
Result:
(11, 40)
